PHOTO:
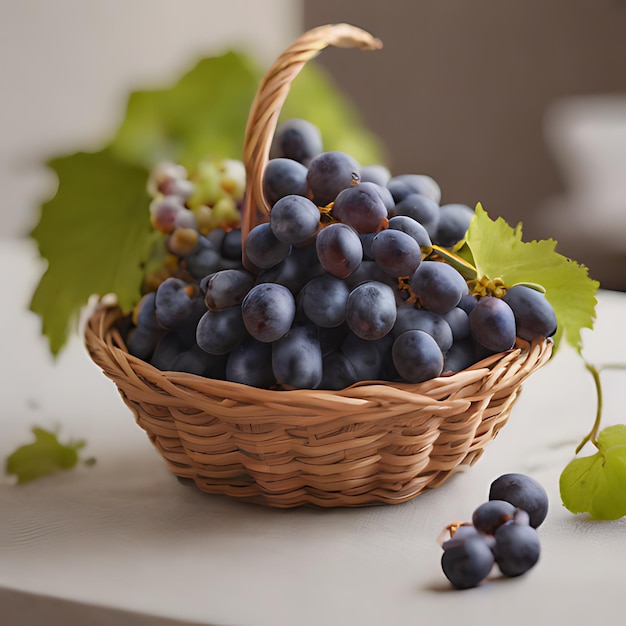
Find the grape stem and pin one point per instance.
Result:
(592, 436)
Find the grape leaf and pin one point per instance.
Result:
(596, 484)
(45, 456)
(203, 114)
(499, 252)
(93, 233)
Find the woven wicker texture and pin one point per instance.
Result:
(371, 443)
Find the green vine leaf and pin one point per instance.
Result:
(596, 484)
(93, 234)
(498, 252)
(45, 456)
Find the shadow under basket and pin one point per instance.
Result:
(371, 443)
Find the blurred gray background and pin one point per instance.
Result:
(520, 105)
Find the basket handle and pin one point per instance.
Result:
(268, 102)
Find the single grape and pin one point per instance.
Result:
(330, 173)
(523, 492)
(248, 364)
(231, 244)
(203, 260)
(268, 311)
(422, 209)
(360, 207)
(175, 303)
(297, 358)
(164, 212)
(376, 173)
(263, 248)
(339, 249)
(454, 220)
(218, 332)
(416, 356)
(517, 547)
(284, 177)
(324, 300)
(492, 324)
(458, 320)
(296, 139)
(438, 286)
(490, 515)
(294, 219)
(534, 315)
(397, 253)
(226, 288)
(468, 302)
(467, 559)
(371, 310)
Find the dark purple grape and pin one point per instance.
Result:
(339, 249)
(421, 209)
(296, 139)
(218, 332)
(249, 362)
(416, 356)
(534, 315)
(268, 311)
(489, 516)
(263, 248)
(360, 207)
(454, 220)
(284, 177)
(371, 310)
(405, 184)
(458, 320)
(226, 288)
(396, 253)
(297, 358)
(330, 173)
(294, 219)
(523, 492)
(517, 547)
(175, 303)
(324, 300)
(377, 174)
(438, 286)
(467, 559)
(493, 324)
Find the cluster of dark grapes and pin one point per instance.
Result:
(503, 532)
(340, 285)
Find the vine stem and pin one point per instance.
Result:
(592, 436)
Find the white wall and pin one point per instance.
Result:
(67, 66)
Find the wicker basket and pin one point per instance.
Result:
(373, 442)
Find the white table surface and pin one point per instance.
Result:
(124, 534)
